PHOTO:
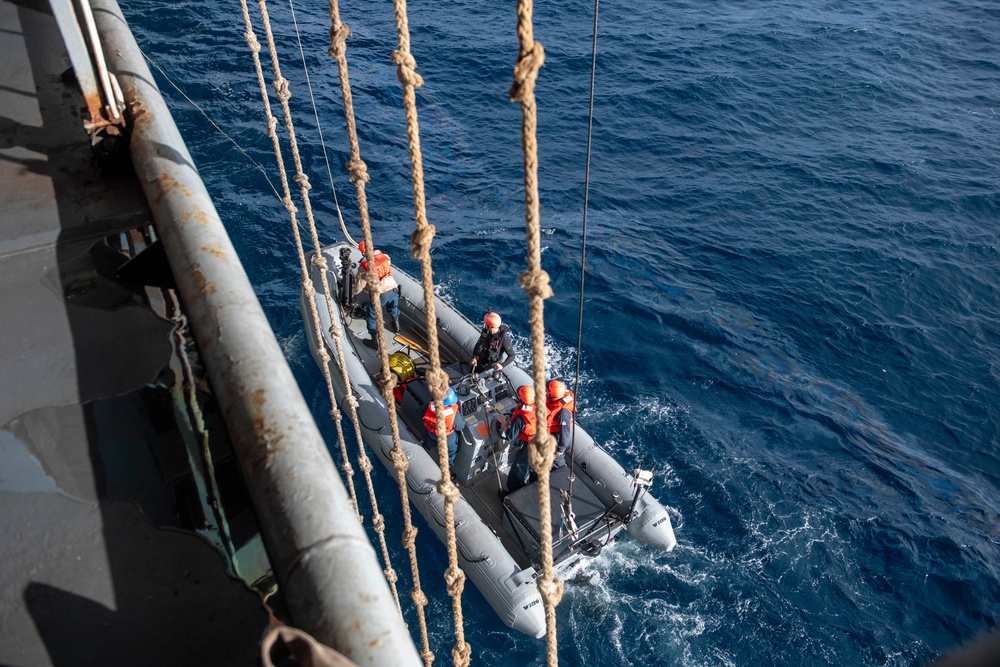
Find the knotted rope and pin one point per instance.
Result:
(535, 283)
(437, 379)
(283, 94)
(358, 171)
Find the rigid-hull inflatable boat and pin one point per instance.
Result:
(498, 533)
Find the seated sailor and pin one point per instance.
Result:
(520, 430)
(388, 294)
(453, 424)
(561, 405)
(493, 349)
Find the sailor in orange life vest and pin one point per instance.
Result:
(561, 405)
(520, 430)
(453, 425)
(389, 297)
(493, 349)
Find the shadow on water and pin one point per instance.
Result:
(131, 503)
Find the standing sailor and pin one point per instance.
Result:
(520, 431)
(453, 423)
(389, 296)
(493, 349)
(561, 405)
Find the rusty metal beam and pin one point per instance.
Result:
(325, 565)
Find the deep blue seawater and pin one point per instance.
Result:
(792, 307)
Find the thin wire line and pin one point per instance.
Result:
(583, 244)
(319, 126)
(221, 131)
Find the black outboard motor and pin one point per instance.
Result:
(346, 281)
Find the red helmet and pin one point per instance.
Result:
(492, 319)
(526, 394)
(361, 247)
(556, 389)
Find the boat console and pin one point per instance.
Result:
(481, 398)
(482, 448)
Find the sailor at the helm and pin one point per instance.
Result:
(493, 349)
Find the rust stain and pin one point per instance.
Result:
(214, 250)
(137, 109)
(206, 286)
(199, 277)
(257, 401)
(257, 458)
(169, 183)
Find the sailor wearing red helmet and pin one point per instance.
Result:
(561, 405)
(388, 294)
(493, 349)
(520, 430)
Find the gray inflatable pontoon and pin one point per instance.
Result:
(498, 533)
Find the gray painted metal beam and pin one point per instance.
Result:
(79, 56)
(328, 571)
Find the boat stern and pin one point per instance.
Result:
(652, 526)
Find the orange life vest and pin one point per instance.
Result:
(383, 267)
(530, 417)
(567, 402)
(430, 418)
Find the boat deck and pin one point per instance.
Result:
(92, 458)
(487, 492)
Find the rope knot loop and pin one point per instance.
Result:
(551, 589)
(536, 283)
(418, 597)
(448, 490)
(338, 40)
(542, 452)
(406, 69)
(455, 581)
(437, 382)
(352, 401)
(365, 463)
(390, 575)
(378, 523)
(461, 654)
(409, 539)
(303, 181)
(289, 205)
(372, 280)
(358, 171)
(252, 41)
(525, 73)
(320, 262)
(281, 89)
(387, 383)
(335, 414)
(420, 241)
(272, 123)
(399, 460)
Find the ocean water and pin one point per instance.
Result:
(791, 306)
